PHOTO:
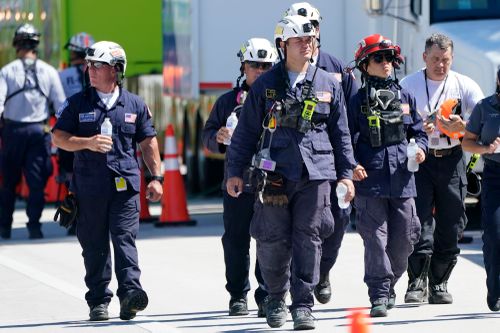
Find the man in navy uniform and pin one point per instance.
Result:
(106, 178)
(341, 217)
(28, 87)
(298, 112)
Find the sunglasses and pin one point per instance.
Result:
(379, 58)
(257, 65)
(96, 64)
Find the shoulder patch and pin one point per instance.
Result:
(337, 76)
(324, 96)
(270, 93)
(61, 108)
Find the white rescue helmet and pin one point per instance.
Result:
(80, 42)
(109, 52)
(258, 50)
(304, 9)
(293, 26)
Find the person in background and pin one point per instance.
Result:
(482, 136)
(256, 56)
(29, 88)
(442, 179)
(382, 120)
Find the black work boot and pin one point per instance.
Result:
(238, 306)
(99, 312)
(276, 313)
(302, 319)
(392, 299)
(35, 233)
(379, 308)
(418, 269)
(135, 301)
(438, 282)
(262, 305)
(493, 303)
(5, 232)
(323, 290)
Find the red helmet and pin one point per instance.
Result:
(375, 43)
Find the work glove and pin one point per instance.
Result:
(67, 211)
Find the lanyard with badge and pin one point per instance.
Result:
(262, 159)
(432, 112)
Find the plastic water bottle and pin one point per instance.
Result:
(341, 191)
(107, 128)
(231, 123)
(411, 153)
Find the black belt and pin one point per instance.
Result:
(14, 122)
(444, 152)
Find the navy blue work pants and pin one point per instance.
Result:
(389, 228)
(441, 186)
(103, 215)
(26, 149)
(293, 231)
(490, 200)
(331, 244)
(237, 215)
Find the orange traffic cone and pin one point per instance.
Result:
(144, 215)
(173, 204)
(358, 321)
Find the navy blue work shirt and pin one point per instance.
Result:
(82, 115)
(221, 110)
(485, 123)
(386, 166)
(325, 150)
(335, 67)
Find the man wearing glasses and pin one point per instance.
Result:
(256, 56)
(441, 181)
(294, 123)
(106, 179)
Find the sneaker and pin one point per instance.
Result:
(391, 303)
(238, 307)
(493, 304)
(261, 312)
(323, 290)
(438, 294)
(99, 312)
(379, 308)
(35, 233)
(135, 301)
(302, 320)
(276, 313)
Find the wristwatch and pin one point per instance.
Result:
(158, 178)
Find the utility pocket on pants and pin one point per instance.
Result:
(327, 220)
(270, 223)
(415, 228)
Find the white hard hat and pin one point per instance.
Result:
(80, 42)
(293, 26)
(259, 50)
(304, 9)
(108, 52)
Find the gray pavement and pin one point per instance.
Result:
(42, 288)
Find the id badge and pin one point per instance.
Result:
(121, 184)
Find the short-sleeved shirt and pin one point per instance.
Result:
(456, 86)
(485, 123)
(82, 115)
(32, 103)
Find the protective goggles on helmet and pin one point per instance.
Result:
(257, 65)
(96, 64)
(307, 27)
(379, 57)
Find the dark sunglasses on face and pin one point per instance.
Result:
(96, 64)
(257, 65)
(379, 58)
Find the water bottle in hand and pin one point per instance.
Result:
(341, 193)
(411, 153)
(231, 123)
(107, 127)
